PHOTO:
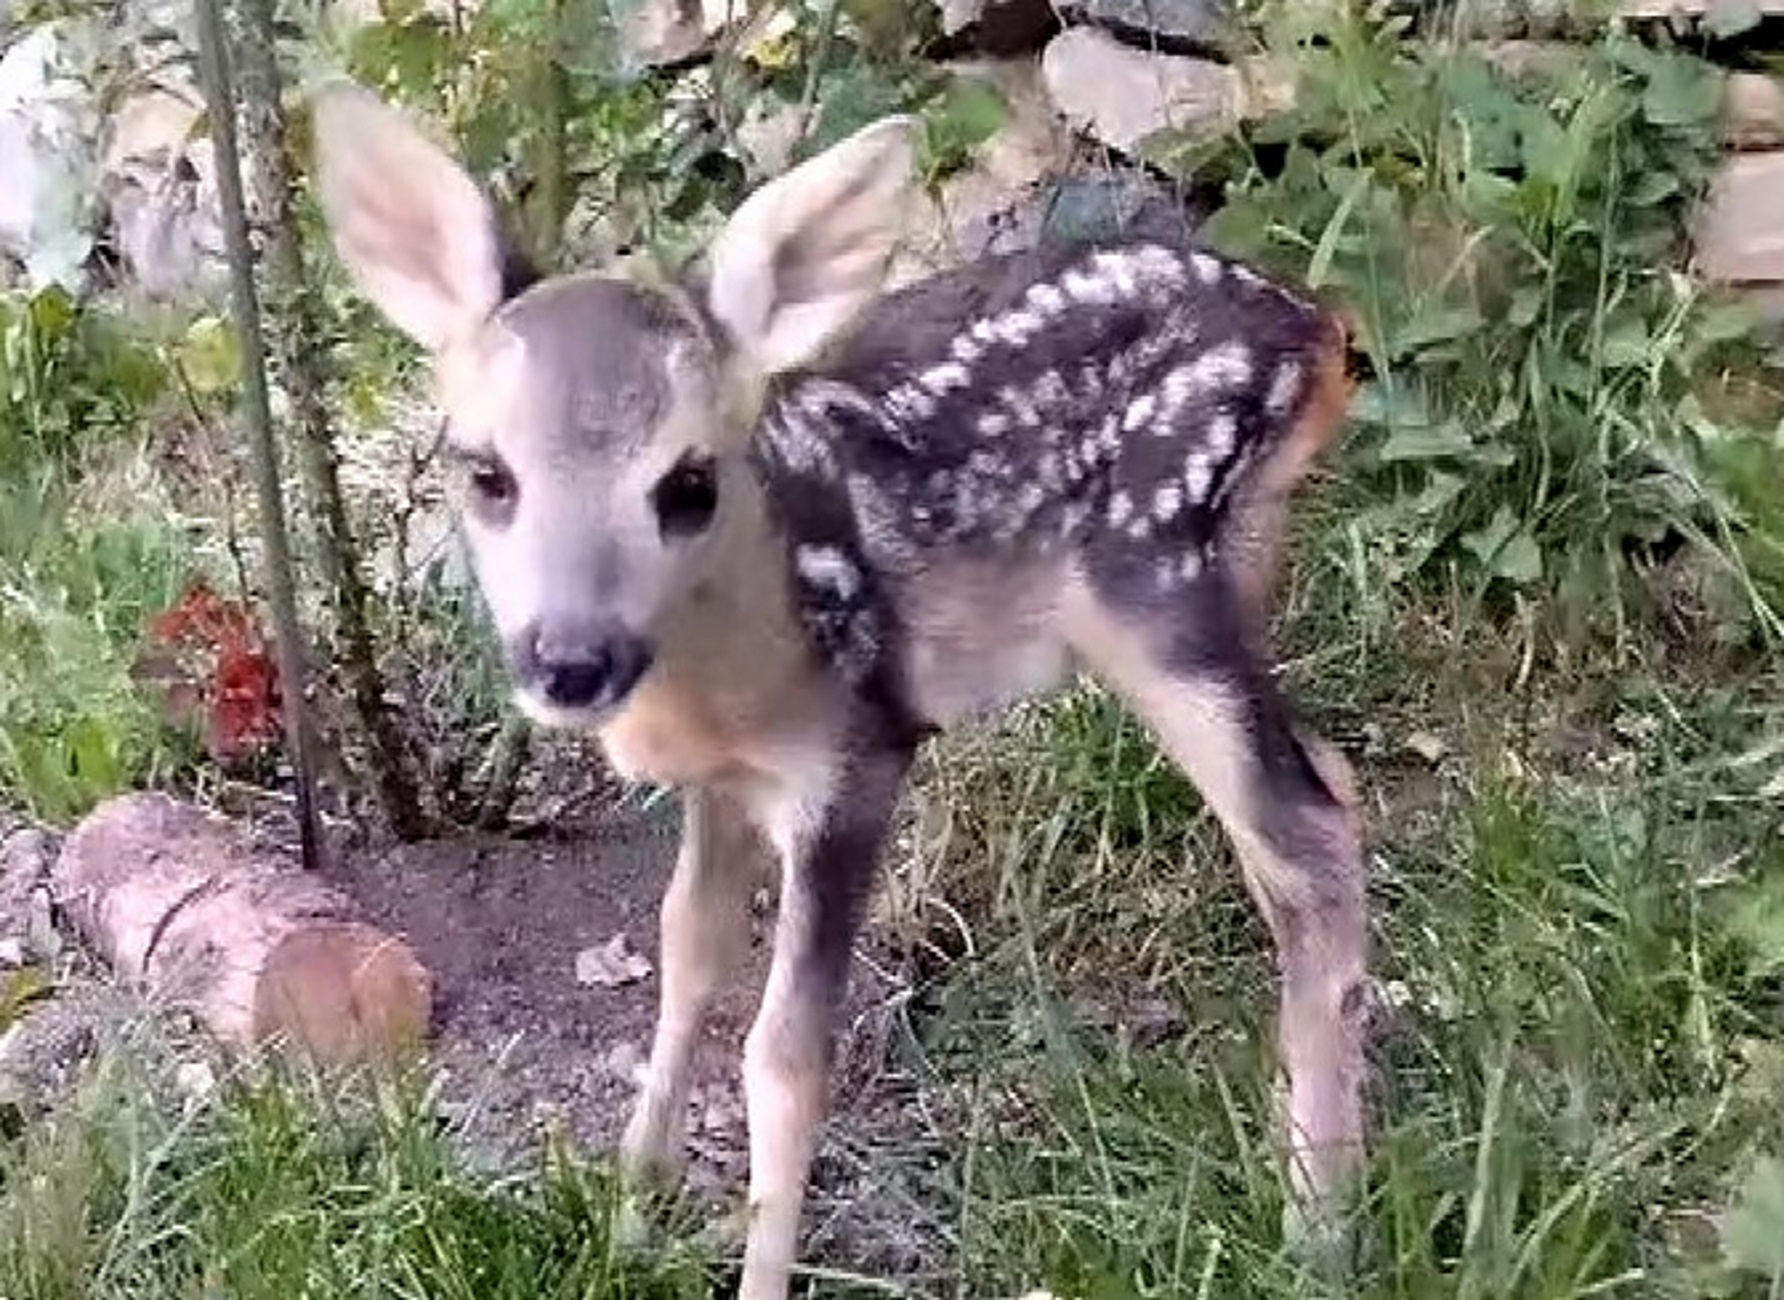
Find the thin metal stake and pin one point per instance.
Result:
(219, 95)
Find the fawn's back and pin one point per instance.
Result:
(990, 441)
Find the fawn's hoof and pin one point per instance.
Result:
(1321, 1237)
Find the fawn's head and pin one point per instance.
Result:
(597, 426)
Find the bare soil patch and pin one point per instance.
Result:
(522, 1045)
(500, 923)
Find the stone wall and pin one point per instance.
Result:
(98, 115)
(1088, 80)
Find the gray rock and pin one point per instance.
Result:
(49, 129)
(25, 858)
(1186, 21)
(1121, 95)
(1739, 235)
(1110, 203)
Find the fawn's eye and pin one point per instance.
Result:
(686, 497)
(491, 480)
(491, 487)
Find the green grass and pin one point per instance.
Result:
(282, 1185)
(91, 546)
(1537, 598)
(1576, 1060)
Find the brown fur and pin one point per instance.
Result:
(1260, 515)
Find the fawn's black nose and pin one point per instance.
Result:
(580, 667)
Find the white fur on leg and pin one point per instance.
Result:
(704, 924)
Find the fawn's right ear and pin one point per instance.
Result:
(417, 234)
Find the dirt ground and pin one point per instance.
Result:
(522, 1043)
(501, 922)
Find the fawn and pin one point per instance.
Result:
(765, 527)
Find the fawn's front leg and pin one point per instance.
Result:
(705, 928)
(829, 840)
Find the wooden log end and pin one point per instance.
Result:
(343, 992)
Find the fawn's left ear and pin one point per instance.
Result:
(806, 252)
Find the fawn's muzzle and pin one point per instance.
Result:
(584, 667)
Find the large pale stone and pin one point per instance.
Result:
(1752, 111)
(1170, 21)
(1734, 13)
(1739, 233)
(49, 128)
(159, 179)
(1122, 95)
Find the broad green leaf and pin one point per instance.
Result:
(1392, 406)
(1526, 305)
(1627, 344)
(1439, 491)
(1506, 550)
(1758, 917)
(1431, 442)
(968, 112)
(52, 312)
(1651, 188)
(1682, 92)
(18, 989)
(1328, 241)
(971, 111)
(1722, 321)
(1434, 325)
(1519, 560)
(1546, 154)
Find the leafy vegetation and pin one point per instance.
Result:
(1556, 403)
(89, 548)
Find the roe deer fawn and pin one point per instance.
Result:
(766, 527)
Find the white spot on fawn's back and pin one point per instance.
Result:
(827, 568)
(1284, 388)
(1224, 366)
(1197, 475)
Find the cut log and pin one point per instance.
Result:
(179, 903)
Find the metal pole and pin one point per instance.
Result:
(219, 94)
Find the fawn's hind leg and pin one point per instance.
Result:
(705, 926)
(1286, 801)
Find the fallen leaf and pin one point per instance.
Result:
(624, 1061)
(195, 1080)
(612, 964)
(1427, 746)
